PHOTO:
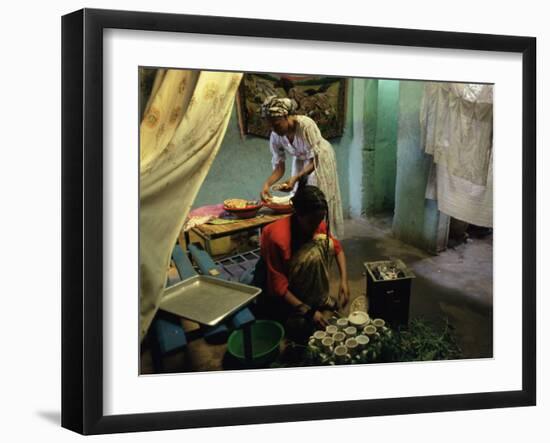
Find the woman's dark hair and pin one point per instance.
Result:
(308, 200)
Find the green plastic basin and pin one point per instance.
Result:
(266, 337)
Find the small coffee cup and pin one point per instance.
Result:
(369, 331)
(351, 331)
(341, 355)
(313, 347)
(318, 336)
(331, 329)
(352, 346)
(362, 341)
(339, 337)
(342, 323)
(328, 344)
(379, 323)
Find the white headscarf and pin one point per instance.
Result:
(274, 106)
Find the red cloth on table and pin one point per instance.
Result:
(276, 251)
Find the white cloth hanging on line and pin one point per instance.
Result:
(456, 120)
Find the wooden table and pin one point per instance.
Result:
(211, 232)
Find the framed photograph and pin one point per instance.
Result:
(339, 223)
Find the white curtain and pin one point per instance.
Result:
(181, 132)
(456, 120)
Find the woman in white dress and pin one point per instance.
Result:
(312, 156)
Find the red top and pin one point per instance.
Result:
(276, 252)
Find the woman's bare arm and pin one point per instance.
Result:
(289, 184)
(275, 176)
(308, 169)
(343, 292)
(291, 299)
(342, 265)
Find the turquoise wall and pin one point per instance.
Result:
(355, 157)
(416, 219)
(374, 146)
(370, 118)
(380, 164)
(243, 164)
(385, 156)
(239, 170)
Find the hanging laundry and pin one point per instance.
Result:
(457, 130)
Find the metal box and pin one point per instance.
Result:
(389, 299)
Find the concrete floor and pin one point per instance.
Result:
(456, 285)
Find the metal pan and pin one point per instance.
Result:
(207, 300)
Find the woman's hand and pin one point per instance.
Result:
(308, 313)
(288, 185)
(343, 293)
(265, 194)
(319, 320)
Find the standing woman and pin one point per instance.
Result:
(313, 156)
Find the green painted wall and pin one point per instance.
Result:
(370, 119)
(385, 160)
(416, 219)
(243, 164)
(355, 157)
(379, 145)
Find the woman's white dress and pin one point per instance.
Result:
(309, 145)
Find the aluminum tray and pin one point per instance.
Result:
(207, 300)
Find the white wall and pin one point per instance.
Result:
(30, 181)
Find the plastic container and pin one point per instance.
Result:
(279, 209)
(247, 212)
(266, 338)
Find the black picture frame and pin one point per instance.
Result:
(82, 218)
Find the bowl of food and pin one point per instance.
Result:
(280, 205)
(242, 208)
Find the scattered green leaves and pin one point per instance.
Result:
(421, 341)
